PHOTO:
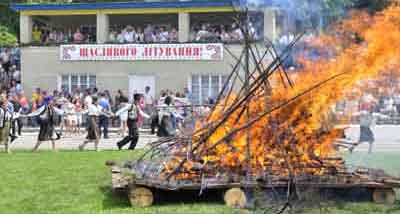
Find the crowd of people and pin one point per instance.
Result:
(10, 70)
(95, 111)
(149, 33)
(386, 107)
(59, 35)
(10, 65)
(207, 32)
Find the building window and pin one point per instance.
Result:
(71, 82)
(205, 87)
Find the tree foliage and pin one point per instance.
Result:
(6, 38)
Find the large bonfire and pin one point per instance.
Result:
(278, 127)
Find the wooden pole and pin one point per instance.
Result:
(247, 89)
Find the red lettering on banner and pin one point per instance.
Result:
(93, 52)
(122, 52)
(188, 51)
(147, 52)
(196, 51)
(133, 51)
(155, 51)
(116, 52)
(109, 52)
(161, 52)
(144, 52)
(168, 51)
(181, 51)
(83, 52)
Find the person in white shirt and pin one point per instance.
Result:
(112, 37)
(70, 117)
(238, 34)
(139, 35)
(202, 33)
(120, 36)
(164, 36)
(94, 110)
(148, 100)
(129, 35)
(252, 31)
(133, 115)
(5, 124)
(47, 117)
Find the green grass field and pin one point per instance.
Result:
(78, 183)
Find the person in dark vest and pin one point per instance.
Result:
(134, 112)
(16, 124)
(47, 114)
(5, 124)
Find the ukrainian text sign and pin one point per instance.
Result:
(132, 52)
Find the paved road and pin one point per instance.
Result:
(28, 140)
(387, 140)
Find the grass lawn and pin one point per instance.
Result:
(78, 183)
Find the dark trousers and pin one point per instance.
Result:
(103, 123)
(132, 138)
(154, 123)
(16, 122)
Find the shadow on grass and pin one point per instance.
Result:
(115, 199)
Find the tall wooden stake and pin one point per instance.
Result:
(247, 88)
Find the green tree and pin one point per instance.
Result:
(6, 38)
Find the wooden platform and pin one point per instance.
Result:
(380, 184)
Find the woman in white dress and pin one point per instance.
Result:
(123, 117)
(70, 117)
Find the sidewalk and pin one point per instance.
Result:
(28, 140)
(111, 130)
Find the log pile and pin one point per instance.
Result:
(255, 136)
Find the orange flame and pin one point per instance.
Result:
(294, 139)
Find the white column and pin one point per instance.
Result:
(270, 28)
(184, 27)
(102, 28)
(25, 25)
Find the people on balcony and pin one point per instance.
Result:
(78, 36)
(137, 34)
(42, 34)
(207, 32)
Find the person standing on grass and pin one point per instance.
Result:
(134, 111)
(103, 118)
(148, 102)
(78, 113)
(16, 120)
(94, 111)
(47, 119)
(5, 124)
(123, 117)
(366, 134)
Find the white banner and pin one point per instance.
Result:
(132, 52)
